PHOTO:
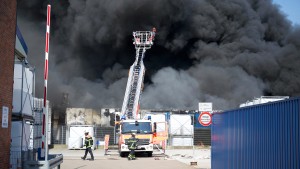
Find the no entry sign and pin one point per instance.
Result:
(205, 119)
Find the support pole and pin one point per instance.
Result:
(193, 140)
(44, 151)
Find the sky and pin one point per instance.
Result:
(224, 52)
(291, 9)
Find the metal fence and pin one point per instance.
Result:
(257, 137)
(100, 132)
(202, 136)
(58, 134)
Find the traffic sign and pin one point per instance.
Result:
(205, 119)
(5, 117)
(205, 106)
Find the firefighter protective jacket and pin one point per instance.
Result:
(88, 142)
(132, 143)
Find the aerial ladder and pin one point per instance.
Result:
(130, 120)
(143, 40)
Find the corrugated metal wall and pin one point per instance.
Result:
(257, 137)
(202, 137)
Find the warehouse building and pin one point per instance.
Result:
(7, 46)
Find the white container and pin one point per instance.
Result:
(27, 78)
(75, 142)
(37, 136)
(22, 102)
(38, 126)
(49, 125)
(181, 125)
(18, 140)
(156, 117)
(182, 141)
(187, 130)
(28, 81)
(160, 127)
(78, 142)
(38, 117)
(18, 70)
(31, 137)
(39, 103)
(49, 134)
(77, 133)
(37, 132)
(160, 119)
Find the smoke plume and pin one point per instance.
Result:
(225, 52)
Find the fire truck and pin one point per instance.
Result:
(131, 122)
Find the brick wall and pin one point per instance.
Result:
(7, 48)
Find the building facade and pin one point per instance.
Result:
(8, 10)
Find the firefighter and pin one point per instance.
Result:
(132, 145)
(88, 143)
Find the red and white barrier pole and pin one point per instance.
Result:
(44, 150)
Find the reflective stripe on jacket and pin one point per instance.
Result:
(88, 142)
(132, 143)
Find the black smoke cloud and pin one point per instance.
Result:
(225, 52)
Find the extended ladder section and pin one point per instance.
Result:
(143, 40)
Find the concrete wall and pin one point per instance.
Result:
(83, 116)
(7, 47)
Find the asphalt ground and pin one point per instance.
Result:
(172, 159)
